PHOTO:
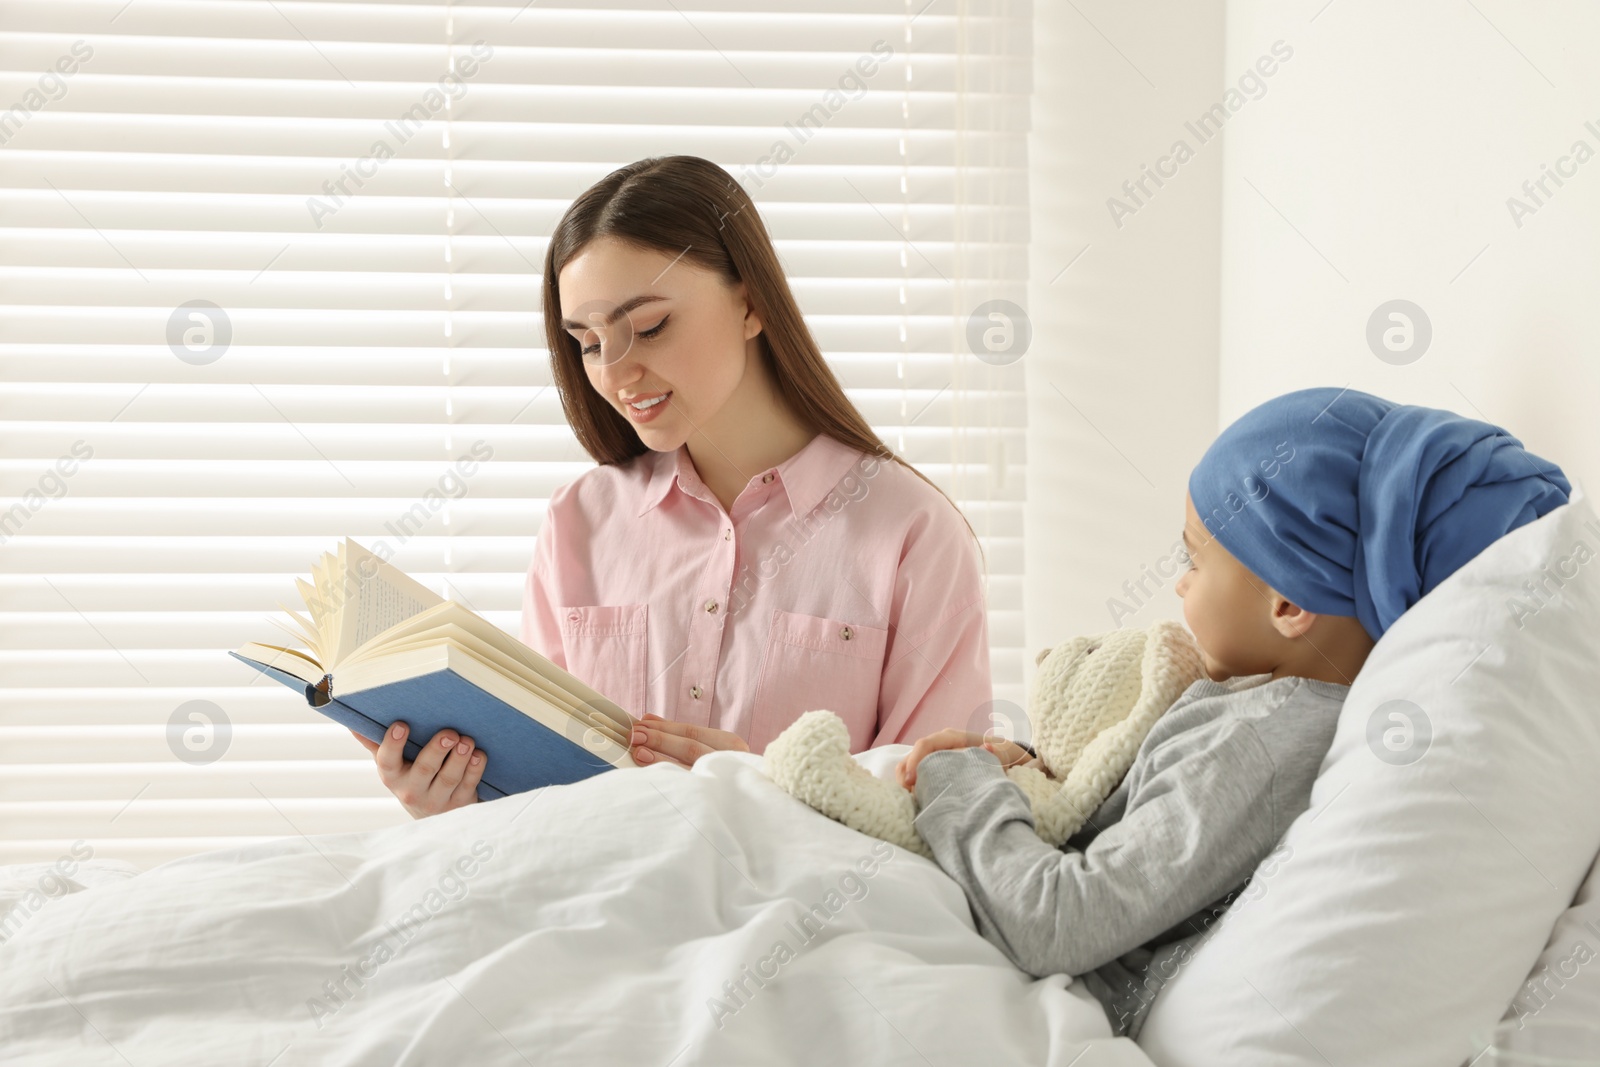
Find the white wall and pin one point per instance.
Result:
(1373, 164)
(1122, 371)
(1392, 141)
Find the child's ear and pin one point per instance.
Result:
(1290, 619)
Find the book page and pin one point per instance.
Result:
(447, 654)
(396, 657)
(382, 606)
(289, 660)
(379, 598)
(538, 669)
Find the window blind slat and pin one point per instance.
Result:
(381, 328)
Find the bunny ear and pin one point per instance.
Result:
(1043, 652)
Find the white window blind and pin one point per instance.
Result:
(270, 273)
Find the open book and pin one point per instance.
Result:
(383, 647)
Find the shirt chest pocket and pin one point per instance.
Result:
(605, 645)
(815, 663)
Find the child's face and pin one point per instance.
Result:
(1227, 608)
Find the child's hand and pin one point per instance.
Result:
(1008, 753)
(1011, 754)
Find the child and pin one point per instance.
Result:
(1312, 523)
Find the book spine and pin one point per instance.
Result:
(319, 694)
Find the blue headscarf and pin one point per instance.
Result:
(1348, 504)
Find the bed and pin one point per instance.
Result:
(667, 916)
(634, 917)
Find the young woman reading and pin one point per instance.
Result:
(747, 549)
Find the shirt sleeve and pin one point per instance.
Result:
(541, 630)
(1197, 826)
(936, 663)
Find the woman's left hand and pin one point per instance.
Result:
(658, 740)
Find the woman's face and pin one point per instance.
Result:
(652, 326)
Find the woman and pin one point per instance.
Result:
(747, 548)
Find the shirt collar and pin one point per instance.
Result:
(806, 477)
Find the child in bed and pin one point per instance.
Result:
(1312, 524)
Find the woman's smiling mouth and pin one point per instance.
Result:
(648, 408)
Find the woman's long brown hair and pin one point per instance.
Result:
(673, 203)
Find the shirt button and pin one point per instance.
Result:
(767, 477)
(694, 691)
(846, 633)
(711, 606)
(727, 535)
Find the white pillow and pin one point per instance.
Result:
(1404, 908)
(1564, 986)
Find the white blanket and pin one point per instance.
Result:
(648, 917)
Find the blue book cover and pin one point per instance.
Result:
(523, 752)
(384, 648)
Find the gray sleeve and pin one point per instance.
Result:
(1200, 820)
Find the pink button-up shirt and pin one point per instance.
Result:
(838, 581)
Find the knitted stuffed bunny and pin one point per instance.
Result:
(1093, 701)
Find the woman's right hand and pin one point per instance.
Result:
(444, 775)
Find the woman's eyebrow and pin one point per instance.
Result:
(616, 312)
